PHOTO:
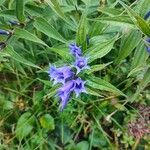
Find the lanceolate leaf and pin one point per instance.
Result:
(135, 71)
(140, 56)
(34, 10)
(143, 25)
(43, 26)
(14, 55)
(54, 4)
(142, 7)
(95, 68)
(139, 22)
(62, 52)
(9, 14)
(101, 84)
(24, 34)
(146, 79)
(82, 32)
(110, 11)
(120, 21)
(93, 92)
(20, 10)
(128, 44)
(100, 50)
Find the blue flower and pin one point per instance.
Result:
(75, 50)
(147, 15)
(71, 82)
(14, 22)
(3, 32)
(148, 47)
(81, 64)
(60, 75)
(64, 93)
(79, 87)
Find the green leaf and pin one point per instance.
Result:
(95, 68)
(100, 84)
(33, 10)
(83, 145)
(140, 56)
(98, 140)
(116, 21)
(96, 29)
(62, 52)
(7, 105)
(46, 82)
(120, 107)
(54, 4)
(82, 32)
(139, 22)
(135, 71)
(110, 11)
(99, 50)
(93, 92)
(14, 55)
(52, 92)
(2, 1)
(46, 28)
(20, 10)
(24, 34)
(47, 121)
(24, 125)
(9, 14)
(129, 42)
(142, 7)
(146, 79)
(143, 25)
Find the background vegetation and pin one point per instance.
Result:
(115, 112)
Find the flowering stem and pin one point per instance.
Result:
(136, 144)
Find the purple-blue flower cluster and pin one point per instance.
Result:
(67, 78)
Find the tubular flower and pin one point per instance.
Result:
(81, 64)
(60, 75)
(79, 86)
(75, 50)
(71, 82)
(3, 32)
(64, 93)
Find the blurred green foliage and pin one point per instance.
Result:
(112, 34)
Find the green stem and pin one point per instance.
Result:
(136, 144)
